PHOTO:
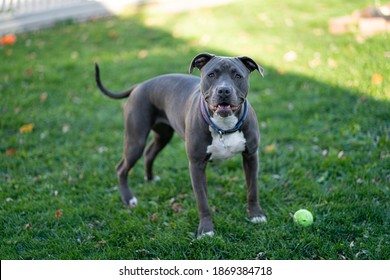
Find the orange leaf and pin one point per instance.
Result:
(58, 213)
(43, 97)
(142, 54)
(10, 152)
(270, 148)
(376, 79)
(27, 128)
(8, 39)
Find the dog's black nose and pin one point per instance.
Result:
(224, 91)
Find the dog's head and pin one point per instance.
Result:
(224, 81)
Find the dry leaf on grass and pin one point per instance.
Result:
(270, 148)
(100, 243)
(27, 128)
(10, 152)
(376, 79)
(154, 217)
(176, 207)
(58, 213)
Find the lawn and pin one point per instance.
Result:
(324, 115)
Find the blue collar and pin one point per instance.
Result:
(207, 118)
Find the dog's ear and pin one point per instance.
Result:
(251, 64)
(200, 60)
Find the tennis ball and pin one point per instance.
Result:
(303, 217)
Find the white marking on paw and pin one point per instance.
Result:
(258, 220)
(155, 178)
(133, 202)
(206, 234)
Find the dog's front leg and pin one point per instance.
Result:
(199, 184)
(251, 166)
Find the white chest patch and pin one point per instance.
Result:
(230, 144)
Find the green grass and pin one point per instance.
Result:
(327, 122)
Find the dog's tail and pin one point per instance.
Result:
(106, 91)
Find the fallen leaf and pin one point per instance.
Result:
(143, 54)
(315, 62)
(43, 97)
(332, 63)
(376, 79)
(100, 243)
(65, 128)
(154, 217)
(27, 128)
(270, 148)
(8, 39)
(176, 207)
(29, 72)
(233, 179)
(58, 213)
(10, 152)
(113, 34)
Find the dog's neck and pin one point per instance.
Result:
(225, 123)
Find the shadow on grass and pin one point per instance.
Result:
(323, 147)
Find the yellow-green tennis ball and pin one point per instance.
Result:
(303, 217)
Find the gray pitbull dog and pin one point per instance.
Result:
(210, 113)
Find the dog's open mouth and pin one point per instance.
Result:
(223, 109)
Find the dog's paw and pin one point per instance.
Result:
(206, 234)
(133, 202)
(258, 220)
(154, 178)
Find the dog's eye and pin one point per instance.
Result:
(211, 75)
(238, 76)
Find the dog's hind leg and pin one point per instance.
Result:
(162, 134)
(131, 155)
(136, 135)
